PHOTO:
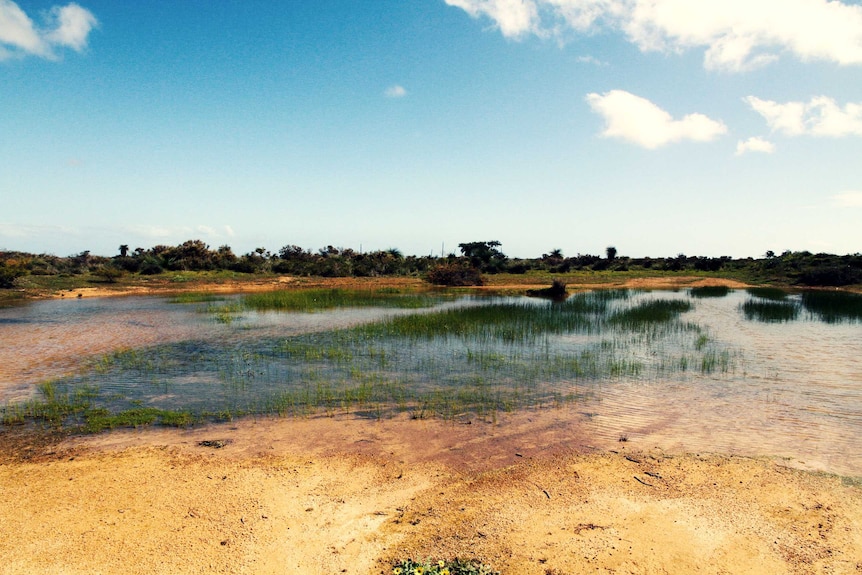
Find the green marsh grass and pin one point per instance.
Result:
(313, 300)
(650, 312)
(196, 297)
(322, 299)
(76, 408)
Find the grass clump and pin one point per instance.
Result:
(833, 306)
(770, 311)
(76, 409)
(509, 322)
(767, 293)
(100, 420)
(649, 312)
(709, 291)
(196, 297)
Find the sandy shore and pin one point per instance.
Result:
(526, 494)
(157, 287)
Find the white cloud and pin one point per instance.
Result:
(229, 231)
(736, 34)
(591, 60)
(73, 26)
(395, 91)
(28, 231)
(822, 116)
(17, 30)
(851, 199)
(641, 122)
(755, 144)
(67, 26)
(514, 18)
(18, 230)
(156, 232)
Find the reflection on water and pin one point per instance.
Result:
(798, 393)
(790, 387)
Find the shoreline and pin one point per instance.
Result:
(284, 282)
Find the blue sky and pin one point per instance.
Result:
(657, 126)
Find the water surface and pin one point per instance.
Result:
(720, 380)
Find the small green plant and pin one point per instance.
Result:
(454, 567)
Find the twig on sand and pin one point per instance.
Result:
(639, 480)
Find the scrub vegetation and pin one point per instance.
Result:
(194, 260)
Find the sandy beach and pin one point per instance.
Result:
(526, 494)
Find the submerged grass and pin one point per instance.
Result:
(76, 408)
(480, 358)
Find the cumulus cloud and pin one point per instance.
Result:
(821, 116)
(65, 27)
(641, 122)
(395, 91)
(514, 18)
(850, 199)
(735, 34)
(755, 144)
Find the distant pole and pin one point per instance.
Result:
(442, 249)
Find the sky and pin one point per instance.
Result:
(660, 127)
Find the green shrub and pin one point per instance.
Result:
(455, 274)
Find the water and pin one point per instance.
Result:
(714, 380)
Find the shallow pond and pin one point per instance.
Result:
(726, 371)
